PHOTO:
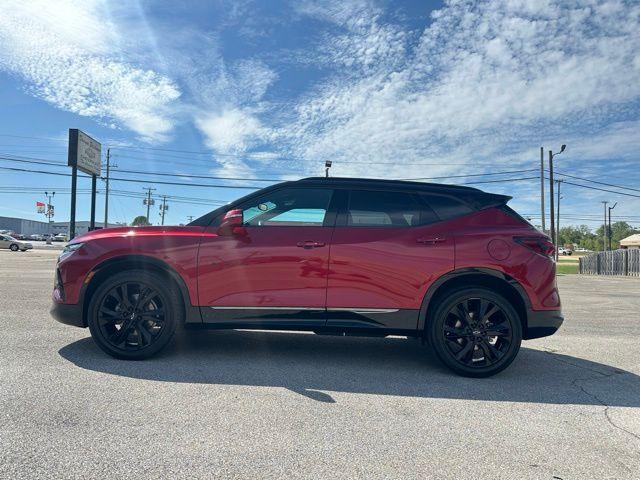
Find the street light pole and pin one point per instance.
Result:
(558, 220)
(542, 212)
(327, 166)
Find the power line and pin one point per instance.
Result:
(601, 189)
(186, 175)
(473, 175)
(598, 182)
(213, 177)
(501, 180)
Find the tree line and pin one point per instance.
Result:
(583, 236)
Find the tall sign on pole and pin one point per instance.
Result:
(84, 155)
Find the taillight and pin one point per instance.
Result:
(540, 245)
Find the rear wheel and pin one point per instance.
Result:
(475, 332)
(134, 314)
(14, 248)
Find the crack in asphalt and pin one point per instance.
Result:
(601, 376)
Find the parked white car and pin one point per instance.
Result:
(13, 244)
(564, 251)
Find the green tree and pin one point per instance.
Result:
(140, 221)
(619, 230)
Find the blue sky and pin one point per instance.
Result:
(270, 90)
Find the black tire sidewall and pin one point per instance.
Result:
(173, 313)
(13, 247)
(437, 342)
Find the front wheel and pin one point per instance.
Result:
(475, 332)
(134, 314)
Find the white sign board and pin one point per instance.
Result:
(84, 152)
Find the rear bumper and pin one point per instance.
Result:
(69, 314)
(542, 323)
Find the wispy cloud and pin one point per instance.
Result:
(68, 54)
(484, 82)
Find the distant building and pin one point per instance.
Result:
(632, 241)
(23, 226)
(33, 227)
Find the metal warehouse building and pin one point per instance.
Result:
(30, 227)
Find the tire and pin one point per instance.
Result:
(467, 348)
(144, 323)
(13, 247)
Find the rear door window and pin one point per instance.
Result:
(367, 208)
(445, 206)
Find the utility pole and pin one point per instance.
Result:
(542, 212)
(551, 212)
(551, 180)
(604, 227)
(163, 208)
(190, 218)
(148, 201)
(49, 214)
(558, 220)
(609, 233)
(106, 190)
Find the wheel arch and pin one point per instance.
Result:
(136, 262)
(482, 277)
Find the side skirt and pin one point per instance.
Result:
(312, 319)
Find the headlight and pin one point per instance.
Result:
(70, 248)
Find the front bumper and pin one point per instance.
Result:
(69, 314)
(542, 323)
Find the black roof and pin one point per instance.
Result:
(347, 182)
(473, 196)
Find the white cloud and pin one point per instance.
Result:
(484, 83)
(68, 54)
(229, 131)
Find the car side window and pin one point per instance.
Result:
(386, 209)
(288, 207)
(446, 207)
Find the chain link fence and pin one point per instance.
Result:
(615, 262)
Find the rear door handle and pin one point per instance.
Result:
(310, 244)
(431, 240)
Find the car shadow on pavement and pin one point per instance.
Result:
(315, 366)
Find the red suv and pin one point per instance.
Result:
(451, 265)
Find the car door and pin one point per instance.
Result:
(4, 242)
(386, 250)
(275, 271)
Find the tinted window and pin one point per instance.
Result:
(446, 207)
(375, 209)
(288, 207)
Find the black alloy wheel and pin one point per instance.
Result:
(133, 314)
(476, 332)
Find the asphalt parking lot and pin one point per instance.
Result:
(230, 404)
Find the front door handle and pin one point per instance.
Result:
(310, 244)
(431, 240)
